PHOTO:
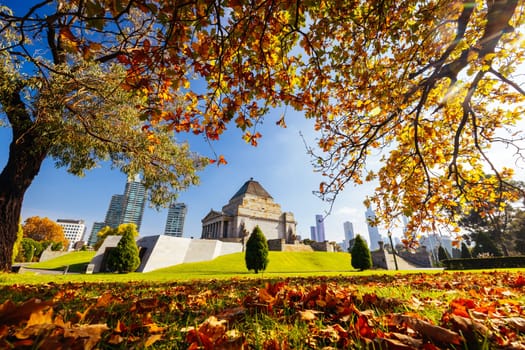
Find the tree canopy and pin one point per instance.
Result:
(44, 229)
(431, 84)
(124, 257)
(117, 231)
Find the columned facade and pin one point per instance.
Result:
(251, 206)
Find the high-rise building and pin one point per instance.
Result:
(114, 213)
(319, 226)
(373, 231)
(349, 231)
(349, 234)
(123, 208)
(93, 238)
(175, 221)
(74, 230)
(134, 202)
(313, 233)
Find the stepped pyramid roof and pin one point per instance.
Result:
(252, 187)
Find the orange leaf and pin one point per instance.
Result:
(281, 122)
(14, 315)
(222, 160)
(152, 339)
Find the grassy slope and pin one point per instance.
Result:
(73, 260)
(280, 262)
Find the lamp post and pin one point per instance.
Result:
(393, 249)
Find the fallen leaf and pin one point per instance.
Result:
(436, 333)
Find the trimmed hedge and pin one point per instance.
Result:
(484, 263)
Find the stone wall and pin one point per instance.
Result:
(322, 247)
(379, 259)
(420, 258)
(280, 245)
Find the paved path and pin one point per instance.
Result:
(402, 264)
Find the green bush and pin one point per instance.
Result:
(256, 256)
(361, 258)
(125, 257)
(505, 262)
(18, 243)
(29, 250)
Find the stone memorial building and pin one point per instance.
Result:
(252, 205)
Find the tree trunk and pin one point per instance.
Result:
(22, 167)
(27, 151)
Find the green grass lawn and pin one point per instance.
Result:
(282, 264)
(76, 261)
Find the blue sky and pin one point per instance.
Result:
(280, 164)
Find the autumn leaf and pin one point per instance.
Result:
(11, 314)
(436, 333)
(308, 315)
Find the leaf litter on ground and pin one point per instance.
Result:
(467, 311)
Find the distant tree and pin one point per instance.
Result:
(465, 251)
(516, 231)
(256, 256)
(118, 231)
(494, 218)
(57, 246)
(125, 257)
(18, 242)
(361, 258)
(485, 245)
(443, 254)
(307, 241)
(44, 229)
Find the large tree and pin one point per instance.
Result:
(84, 81)
(430, 85)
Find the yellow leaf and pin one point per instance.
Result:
(152, 339)
(375, 111)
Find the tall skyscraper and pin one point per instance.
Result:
(93, 238)
(73, 230)
(134, 202)
(349, 231)
(313, 233)
(319, 226)
(175, 221)
(124, 208)
(373, 231)
(114, 213)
